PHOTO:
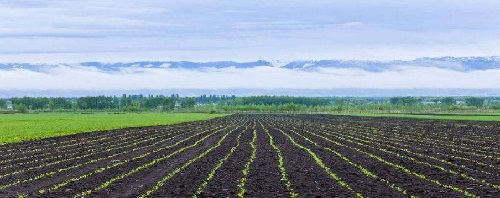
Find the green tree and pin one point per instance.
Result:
(188, 103)
(169, 104)
(448, 101)
(3, 104)
(496, 107)
(475, 101)
(21, 108)
(407, 101)
(60, 103)
(125, 101)
(292, 107)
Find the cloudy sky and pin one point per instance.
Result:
(66, 31)
(200, 30)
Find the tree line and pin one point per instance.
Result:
(408, 101)
(125, 102)
(281, 100)
(252, 103)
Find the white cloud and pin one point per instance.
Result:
(61, 31)
(84, 78)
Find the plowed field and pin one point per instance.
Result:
(259, 155)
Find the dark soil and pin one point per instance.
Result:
(441, 159)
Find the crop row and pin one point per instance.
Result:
(108, 157)
(387, 141)
(99, 143)
(221, 162)
(107, 147)
(161, 183)
(265, 155)
(87, 155)
(452, 142)
(397, 166)
(281, 164)
(246, 170)
(147, 165)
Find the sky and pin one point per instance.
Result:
(207, 30)
(66, 31)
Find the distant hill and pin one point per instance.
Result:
(452, 63)
(458, 64)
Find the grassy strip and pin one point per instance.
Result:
(21, 127)
(281, 165)
(161, 183)
(365, 171)
(210, 176)
(321, 164)
(246, 170)
(142, 167)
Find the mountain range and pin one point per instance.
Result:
(463, 64)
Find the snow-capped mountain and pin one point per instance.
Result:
(451, 63)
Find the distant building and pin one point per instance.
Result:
(177, 105)
(9, 105)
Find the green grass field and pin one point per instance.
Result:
(19, 127)
(470, 117)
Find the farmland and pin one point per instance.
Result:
(21, 127)
(470, 117)
(262, 155)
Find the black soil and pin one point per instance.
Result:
(425, 158)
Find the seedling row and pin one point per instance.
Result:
(262, 155)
